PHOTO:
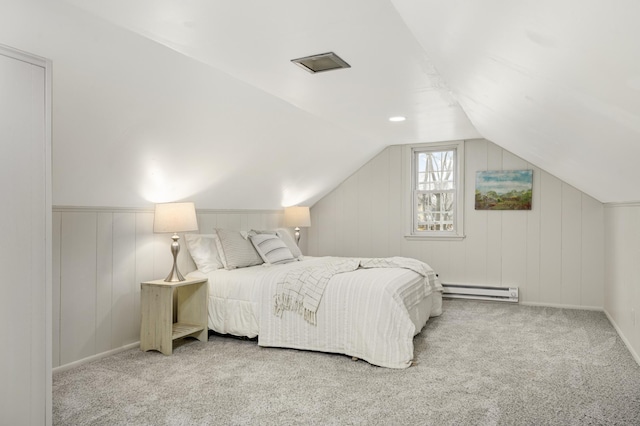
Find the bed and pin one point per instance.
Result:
(369, 308)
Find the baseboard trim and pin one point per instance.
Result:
(634, 354)
(95, 357)
(561, 306)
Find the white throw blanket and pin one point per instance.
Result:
(301, 290)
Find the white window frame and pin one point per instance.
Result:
(409, 185)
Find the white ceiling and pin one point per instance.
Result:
(158, 100)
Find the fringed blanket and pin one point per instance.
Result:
(301, 290)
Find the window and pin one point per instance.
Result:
(436, 190)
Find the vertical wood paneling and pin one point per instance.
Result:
(78, 289)
(350, 215)
(634, 287)
(436, 254)
(339, 225)
(274, 220)
(475, 220)
(230, 221)
(514, 234)
(521, 248)
(621, 246)
(254, 221)
(56, 264)
(458, 249)
(100, 257)
(124, 280)
(550, 239)
(592, 251)
(622, 251)
(364, 207)
(144, 262)
(379, 198)
(494, 225)
(207, 222)
(326, 224)
(531, 290)
(615, 245)
(394, 205)
(571, 245)
(313, 235)
(104, 280)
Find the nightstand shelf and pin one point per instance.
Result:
(157, 329)
(182, 329)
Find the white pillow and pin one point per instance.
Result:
(290, 242)
(272, 249)
(237, 251)
(204, 251)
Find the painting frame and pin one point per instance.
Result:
(504, 190)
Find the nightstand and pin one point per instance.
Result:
(157, 329)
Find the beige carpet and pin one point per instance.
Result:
(480, 363)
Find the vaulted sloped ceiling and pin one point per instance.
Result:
(160, 100)
(555, 82)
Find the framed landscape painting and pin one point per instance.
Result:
(504, 190)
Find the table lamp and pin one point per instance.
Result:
(298, 217)
(175, 217)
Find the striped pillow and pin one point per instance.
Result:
(237, 252)
(272, 249)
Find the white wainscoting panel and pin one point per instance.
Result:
(553, 253)
(622, 268)
(100, 257)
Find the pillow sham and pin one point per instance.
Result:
(204, 252)
(272, 249)
(237, 251)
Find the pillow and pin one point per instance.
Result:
(204, 251)
(272, 249)
(290, 242)
(237, 252)
(258, 231)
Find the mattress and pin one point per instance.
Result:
(367, 313)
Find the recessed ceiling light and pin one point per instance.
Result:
(397, 118)
(323, 62)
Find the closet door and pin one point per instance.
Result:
(25, 229)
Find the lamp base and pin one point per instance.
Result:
(297, 235)
(175, 275)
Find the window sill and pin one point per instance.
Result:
(434, 237)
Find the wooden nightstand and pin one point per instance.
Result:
(157, 329)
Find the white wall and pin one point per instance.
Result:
(554, 252)
(622, 269)
(100, 257)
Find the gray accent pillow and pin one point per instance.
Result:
(237, 251)
(271, 248)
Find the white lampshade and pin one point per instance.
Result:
(175, 217)
(297, 217)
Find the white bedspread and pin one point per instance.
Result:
(371, 314)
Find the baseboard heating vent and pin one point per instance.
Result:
(462, 291)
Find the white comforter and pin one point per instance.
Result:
(371, 314)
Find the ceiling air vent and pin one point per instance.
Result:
(319, 63)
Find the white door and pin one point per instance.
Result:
(25, 223)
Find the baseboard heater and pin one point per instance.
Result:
(462, 291)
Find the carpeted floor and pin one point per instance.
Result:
(480, 363)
